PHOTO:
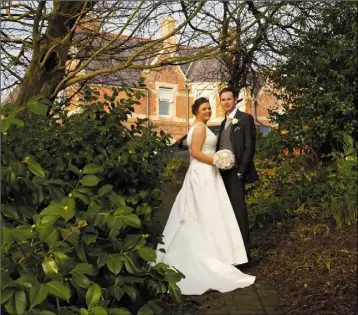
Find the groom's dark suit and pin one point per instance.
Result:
(242, 137)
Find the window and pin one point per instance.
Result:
(209, 94)
(165, 101)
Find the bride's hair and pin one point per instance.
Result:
(197, 103)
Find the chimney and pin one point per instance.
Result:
(167, 25)
(90, 24)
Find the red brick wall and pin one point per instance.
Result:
(177, 126)
(265, 100)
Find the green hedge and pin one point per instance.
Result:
(78, 193)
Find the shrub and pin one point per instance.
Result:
(341, 201)
(302, 184)
(272, 145)
(78, 194)
(176, 168)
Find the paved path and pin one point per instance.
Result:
(258, 299)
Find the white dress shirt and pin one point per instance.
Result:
(230, 116)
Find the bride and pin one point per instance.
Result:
(202, 238)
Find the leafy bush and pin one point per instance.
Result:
(272, 145)
(319, 80)
(302, 184)
(341, 200)
(78, 193)
(175, 169)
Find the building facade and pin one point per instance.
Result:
(171, 90)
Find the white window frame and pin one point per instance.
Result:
(210, 94)
(169, 100)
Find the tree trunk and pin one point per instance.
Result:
(41, 77)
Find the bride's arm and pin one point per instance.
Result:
(197, 142)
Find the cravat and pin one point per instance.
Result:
(227, 123)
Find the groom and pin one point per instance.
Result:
(238, 134)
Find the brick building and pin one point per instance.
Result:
(172, 89)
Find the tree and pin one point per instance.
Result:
(318, 81)
(39, 41)
(250, 35)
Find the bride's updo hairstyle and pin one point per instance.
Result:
(197, 103)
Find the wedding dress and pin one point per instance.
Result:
(202, 238)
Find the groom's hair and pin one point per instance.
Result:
(228, 89)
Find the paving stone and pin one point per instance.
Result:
(258, 299)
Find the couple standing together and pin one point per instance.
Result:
(207, 232)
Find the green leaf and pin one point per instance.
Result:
(117, 200)
(6, 294)
(119, 311)
(97, 310)
(147, 253)
(83, 311)
(81, 253)
(26, 281)
(93, 168)
(114, 263)
(5, 124)
(64, 209)
(175, 292)
(81, 280)
(22, 233)
(118, 292)
(123, 210)
(6, 281)
(145, 310)
(89, 238)
(62, 260)
(82, 197)
(18, 122)
(132, 220)
(131, 241)
(102, 260)
(38, 293)
(16, 305)
(58, 289)
(37, 107)
(35, 168)
(73, 169)
(131, 265)
(59, 182)
(104, 190)
(173, 276)
(115, 222)
(56, 193)
(89, 180)
(131, 291)
(85, 269)
(48, 219)
(47, 234)
(93, 295)
(7, 236)
(49, 266)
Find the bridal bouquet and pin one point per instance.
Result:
(224, 159)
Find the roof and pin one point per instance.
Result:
(124, 47)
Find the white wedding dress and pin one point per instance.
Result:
(202, 238)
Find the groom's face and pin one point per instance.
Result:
(228, 102)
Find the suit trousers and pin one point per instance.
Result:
(235, 188)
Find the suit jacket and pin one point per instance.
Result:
(243, 139)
